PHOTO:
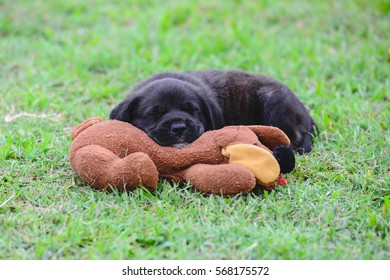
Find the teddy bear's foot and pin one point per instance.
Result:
(225, 179)
(84, 125)
(101, 168)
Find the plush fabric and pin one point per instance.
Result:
(231, 160)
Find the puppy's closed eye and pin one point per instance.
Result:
(157, 111)
(190, 107)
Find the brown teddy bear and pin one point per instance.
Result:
(227, 161)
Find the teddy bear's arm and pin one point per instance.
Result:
(226, 179)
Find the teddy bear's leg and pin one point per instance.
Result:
(226, 179)
(101, 168)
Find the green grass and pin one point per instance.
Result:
(79, 59)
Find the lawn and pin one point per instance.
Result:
(64, 61)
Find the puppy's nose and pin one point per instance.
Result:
(178, 127)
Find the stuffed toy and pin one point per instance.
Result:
(228, 161)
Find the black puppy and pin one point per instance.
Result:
(174, 109)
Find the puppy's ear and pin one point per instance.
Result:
(213, 115)
(125, 110)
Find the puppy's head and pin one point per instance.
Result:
(172, 112)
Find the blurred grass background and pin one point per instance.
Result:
(66, 61)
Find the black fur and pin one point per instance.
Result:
(174, 109)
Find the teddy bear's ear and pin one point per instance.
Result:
(270, 136)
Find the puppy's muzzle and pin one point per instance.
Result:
(178, 127)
